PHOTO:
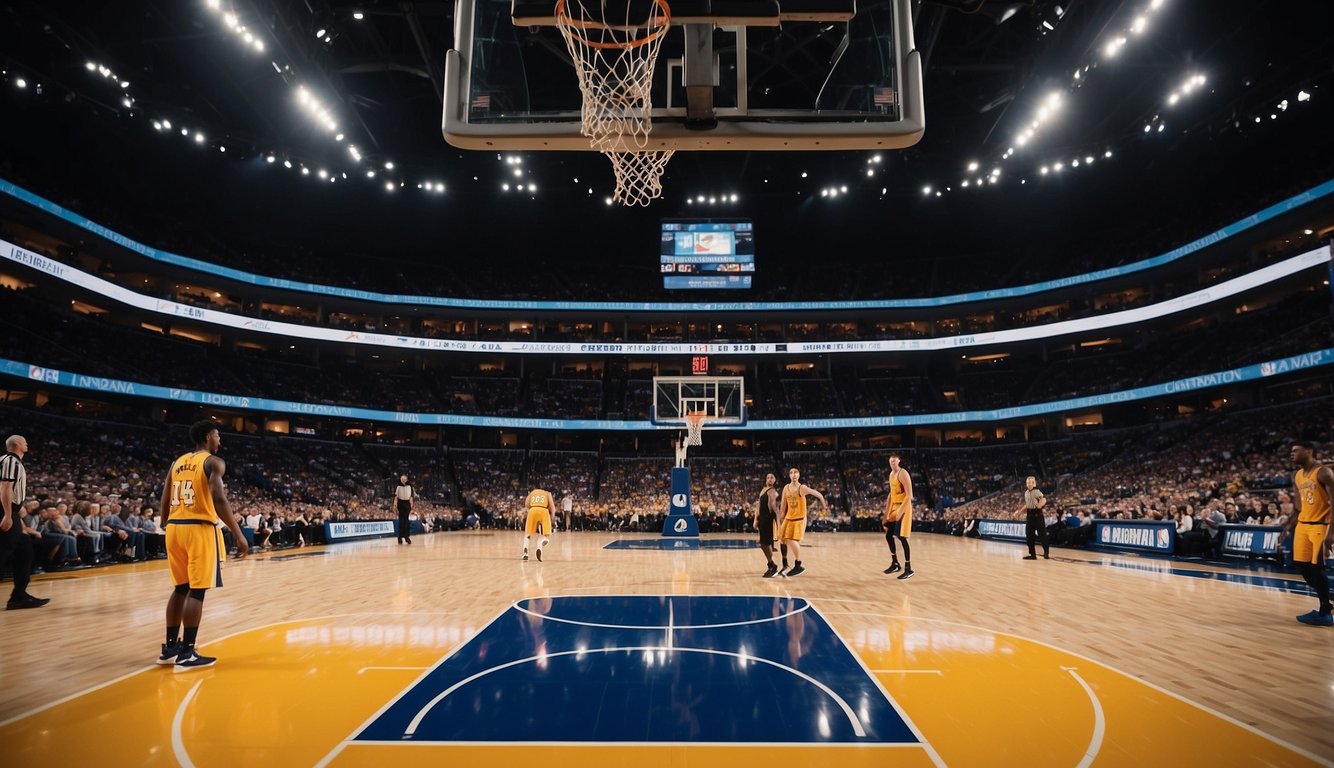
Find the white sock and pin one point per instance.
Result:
(526, 539)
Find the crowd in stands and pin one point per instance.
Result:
(94, 486)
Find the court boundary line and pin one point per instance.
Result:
(1099, 721)
(340, 746)
(148, 668)
(669, 626)
(842, 703)
(930, 750)
(177, 720)
(1209, 710)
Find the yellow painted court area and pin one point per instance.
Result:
(291, 692)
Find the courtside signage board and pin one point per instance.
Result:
(1251, 539)
(1007, 530)
(345, 531)
(1142, 535)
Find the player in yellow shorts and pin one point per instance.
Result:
(193, 502)
(793, 517)
(539, 521)
(1310, 528)
(898, 517)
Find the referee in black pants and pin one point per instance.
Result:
(403, 496)
(1036, 527)
(15, 545)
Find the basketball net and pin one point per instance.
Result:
(695, 427)
(614, 56)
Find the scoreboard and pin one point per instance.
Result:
(707, 253)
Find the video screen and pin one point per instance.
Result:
(707, 254)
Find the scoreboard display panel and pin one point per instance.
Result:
(707, 253)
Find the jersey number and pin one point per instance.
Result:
(183, 493)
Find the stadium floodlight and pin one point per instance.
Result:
(90, 66)
(166, 124)
(287, 164)
(319, 33)
(1139, 25)
(389, 166)
(1303, 96)
(1088, 160)
(734, 197)
(926, 190)
(389, 186)
(972, 166)
(1108, 153)
(1043, 170)
(358, 15)
(199, 138)
(21, 83)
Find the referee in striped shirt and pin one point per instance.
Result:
(15, 545)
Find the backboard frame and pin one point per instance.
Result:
(738, 127)
(723, 398)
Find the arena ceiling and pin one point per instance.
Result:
(1172, 96)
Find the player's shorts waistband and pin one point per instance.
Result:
(190, 522)
(1312, 522)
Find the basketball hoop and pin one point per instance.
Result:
(614, 58)
(695, 427)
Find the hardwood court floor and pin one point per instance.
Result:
(1087, 659)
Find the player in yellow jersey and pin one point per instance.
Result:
(793, 517)
(898, 517)
(1310, 528)
(539, 521)
(193, 502)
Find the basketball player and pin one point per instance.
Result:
(1314, 484)
(793, 515)
(193, 501)
(898, 517)
(1036, 524)
(539, 521)
(766, 522)
(403, 497)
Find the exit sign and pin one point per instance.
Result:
(699, 365)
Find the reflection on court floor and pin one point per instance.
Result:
(670, 544)
(649, 669)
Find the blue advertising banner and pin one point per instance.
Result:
(53, 376)
(1008, 530)
(1143, 535)
(509, 305)
(1251, 539)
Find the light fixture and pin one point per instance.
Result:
(926, 190)
(389, 186)
(358, 15)
(287, 163)
(21, 83)
(270, 159)
(972, 166)
(199, 138)
(1303, 96)
(319, 33)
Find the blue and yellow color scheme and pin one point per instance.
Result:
(643, 681)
